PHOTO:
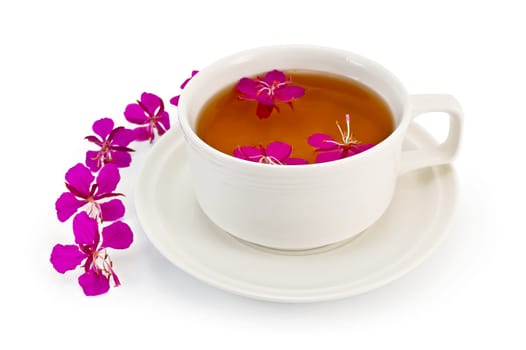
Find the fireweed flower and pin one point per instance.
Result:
(98, 267)
(273, 87)
(113, 144)
(149, 111)
(329, 149)
(175, 100)
(82, 191)
(276, 153)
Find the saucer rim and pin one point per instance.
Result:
(408, 262)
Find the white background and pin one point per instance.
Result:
(64, 64)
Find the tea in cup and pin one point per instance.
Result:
(299, 147)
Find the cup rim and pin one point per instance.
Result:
(223, 158)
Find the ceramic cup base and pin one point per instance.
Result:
(316, 250)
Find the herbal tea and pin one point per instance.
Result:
(294, 117)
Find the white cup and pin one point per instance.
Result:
(307, 206)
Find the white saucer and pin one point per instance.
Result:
(412, 227)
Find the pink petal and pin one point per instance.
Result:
(264, 111)
(248, 87)
(183, 85)
(288, 93)
(279, 150)
(238, 153)
(160, 130)
(265, 98)
(143, 133)
(252, 154)
(80, 177)
(108, 179)
(135, 114)
(67, 205)
(117, 235)
(320, 141)
(275, 75)
(355, 149)
(296, 161)
(151, 102)
(112, 210)
(85, 229)
(91, 161)
(361, 148)
(103, 127)
(123, 137)
(164, 119)
(121, 159)
(94, 283)
(66, 257)
(175, 100)
(323, 157)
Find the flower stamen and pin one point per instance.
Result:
(348, 146)
(270, 160)
(268, 90)
(94, 209)
(347, 138)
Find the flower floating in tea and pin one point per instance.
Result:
(273, 87)
(329, 149)
(98, 267)
(149, 111)
(113, 143)
(276, 153)
(82, 191)
(175, 100)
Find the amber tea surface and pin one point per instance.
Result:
(227, 122)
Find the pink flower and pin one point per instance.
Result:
(175, 100)
(113, 144)
(149, 111)
(98, 267)
(274, 87)
(82, 191)
(330, 149)
(277, 153)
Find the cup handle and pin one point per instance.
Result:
(446, 151)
